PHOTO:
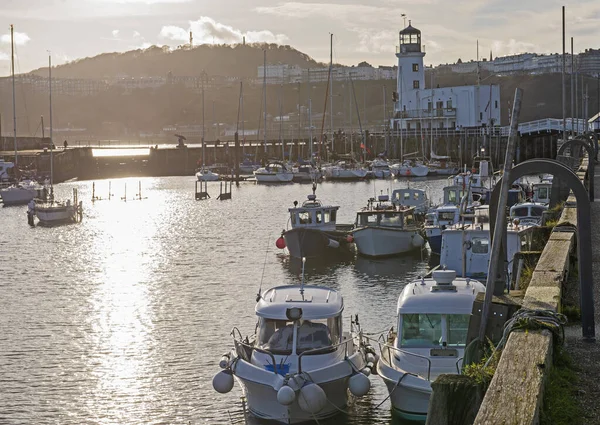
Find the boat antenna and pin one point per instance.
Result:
(302, 280)
(259, 296)
(314, 187)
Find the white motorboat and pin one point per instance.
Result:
(248, 167)
(527, 213)
(300, 364)
(433, 321)
(481, 178)
(306, 173)
(466, 248)
(410, 168)
(274, 172)
(343, 170)
(22, 192)
(541, 192)
(206, 175)
(416, 198)
(381, 229)
(314, 232)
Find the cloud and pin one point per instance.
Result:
(376, 41)
(137, 35)
(207, 30)
(115, 33)
(143, 1)
(20, 38)
(512, 47)
(4, 56)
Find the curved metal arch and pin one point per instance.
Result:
(584, 237)
(592, 138)
(591, 155)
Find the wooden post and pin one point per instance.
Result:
(455, 400)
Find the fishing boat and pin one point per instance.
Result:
(381, 229)
(274, 172)
(433, 320)
(300, 363)
(480, 178)
(541, 192)
(314, 232)
(528, 212)
(408, 197)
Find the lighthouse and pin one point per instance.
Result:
(411, 75)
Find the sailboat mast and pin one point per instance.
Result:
(310, 135)
(51, 142)
(331, 86)
(12, 71)
(203, 150)
(242, 107)
(265, 98)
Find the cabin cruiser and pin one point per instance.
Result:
(206, 175)
(22, 192)
(300, 364)
(314, 232)
(527, 213)
(466, 247)
(345, 170)
(274, 172)
(416, 198)
(410, 168)
(433, 321)
(381, 229)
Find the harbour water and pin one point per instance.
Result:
(122, 319)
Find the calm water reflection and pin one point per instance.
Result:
(122, 319)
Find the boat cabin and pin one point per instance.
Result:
(276, 167)
(527, 212)
(313, 214)
(385, 214)
(408, 197)
(295, 319)
(541, 192)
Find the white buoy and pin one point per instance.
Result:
(417, 241)
(223, 381)
(224, 362)
(370, 358)
(359, 385)
(286, 395)
(312, 398)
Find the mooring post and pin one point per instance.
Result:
(236, 159)
(495, 284)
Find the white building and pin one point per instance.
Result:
(449, 107)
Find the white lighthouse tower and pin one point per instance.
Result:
(411, 75)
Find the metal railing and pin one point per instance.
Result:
(408, 353)
(324, 350)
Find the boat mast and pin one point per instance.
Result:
(265, 98)
(203, 150)
(331, 86)
(310, 133)
(242, 107)
(281, 125)
(12, 71)
(51, 141)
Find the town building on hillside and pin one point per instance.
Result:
(589, 62)
(417, 107)
(291, 74)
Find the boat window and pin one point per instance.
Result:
(326, 216)
(537, 211)
(429, 219)
(332, 215)
(293, 218)
(406, 196)
(480, 245)
(416, 196)
(409, 219)
(543, 193)
(368, 219)
(304, 217)
(318, 216)
(520, 212)
(275, 336)
(452, 197)
(421, 330)
(446, 216)
(390, 219)
(314, 334)
(458, 325)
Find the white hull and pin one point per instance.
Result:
(56, 213)
(207, 176)
(379, 241)
(274, 177)
(18, 195)
(382, 174)
(416, 171)
(336, 173)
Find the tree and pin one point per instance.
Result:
(459, 60)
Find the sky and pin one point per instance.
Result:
(363, 30)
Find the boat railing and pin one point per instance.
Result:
(246, 355)
(460, 359)
(408, 353)
(324, 350)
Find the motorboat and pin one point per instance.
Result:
(528, 212)
(442, 165)
(22, 193)
(480, 178)
(206, 175)
(541, 192)
(5, 166)
(430, 340)
(408, 197)
(300, 363)
(466, 247)
(274, 172)
(306, 172)
(345, 170)
(314, 232)
(248, 167)
(380, 168)
(410, 168)
(382, 229)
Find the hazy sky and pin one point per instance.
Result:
(363, 30)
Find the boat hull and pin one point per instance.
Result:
(311, 243)
(344, 174)
(274, 177)
(209, 177)
(434, 238)
(56, 214)
(19, 196)
(417, 171)
(381, 242)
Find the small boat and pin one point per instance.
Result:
(441, 165)
(344, 170)
(314, 231)
(481, 178)
(274, 172)
(5, 175)
(416, 198)
(527, 213)
(410, 168)
(541, 192)
(52, 212)
(306, 172)
(248, 167)
(300, 363)
(206, 175)
(380, 169)
(381, 229)
(22, 193)
(433, 321)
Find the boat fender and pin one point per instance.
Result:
(286, 395)
(349, 238)
(359, 384)
(417, 241)
(333, 243)
(280, 243)
(223, 381)
(224, 363)
(312, 398)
